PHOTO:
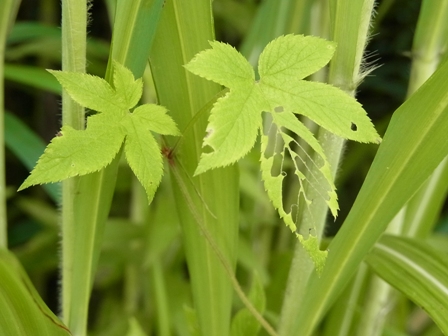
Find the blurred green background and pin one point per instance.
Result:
(34, 117)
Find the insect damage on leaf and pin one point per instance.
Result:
(287, 146)
(311, 246)
(79, 152)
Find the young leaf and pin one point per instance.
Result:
(79, 152)
(281, 91)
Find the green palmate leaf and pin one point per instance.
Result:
(79, 152)
(282, 66)
(236, 119)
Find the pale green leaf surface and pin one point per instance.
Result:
(222, 64)
(77, 152)
(235, 119)
(301, 160)
(320, 175)
(127, 88)
(143, 155)
(417, 270)
(293, 57)
(326, 105)
(156, 118)
(284, 59)
(232, 129)
(89, 91)
(324, 184)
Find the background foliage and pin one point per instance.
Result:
(142, 271)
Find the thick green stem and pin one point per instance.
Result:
(74, 27)
(8, 10)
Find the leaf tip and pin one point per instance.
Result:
(23, 186)
(29, 182)
(199, 170)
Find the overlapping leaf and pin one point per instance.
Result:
(236, 119)
(79, 152)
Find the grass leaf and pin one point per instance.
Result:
(417, 270)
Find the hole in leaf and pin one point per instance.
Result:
(289, 187)
(209, 132)
(278, 109)
(353, 127)
(277, 165)
(273, 141)
(294, 212)
(207, 149)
